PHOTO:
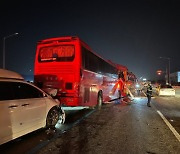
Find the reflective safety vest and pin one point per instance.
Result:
(149, 90)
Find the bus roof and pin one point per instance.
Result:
(59, 39)
(10, 74)
(119, 66)
(62, 39)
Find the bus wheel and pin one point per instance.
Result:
(100, 100)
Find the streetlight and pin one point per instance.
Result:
(4, 45)
(168, 71)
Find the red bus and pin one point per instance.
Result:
(81, 77)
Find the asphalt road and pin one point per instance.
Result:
(123, 128)
(170, 109)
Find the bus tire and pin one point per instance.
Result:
(99, 100)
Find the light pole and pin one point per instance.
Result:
(4, 46)
(168, 70)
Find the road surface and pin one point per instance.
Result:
(123, 128)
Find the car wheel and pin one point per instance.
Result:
(52, 117)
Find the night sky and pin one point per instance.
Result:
(132, 33)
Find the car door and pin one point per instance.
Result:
(33, 106)
(9, 108)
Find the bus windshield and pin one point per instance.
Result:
(57, 53)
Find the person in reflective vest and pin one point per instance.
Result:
(149, 94)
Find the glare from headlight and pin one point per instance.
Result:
(137, 86)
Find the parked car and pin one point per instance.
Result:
(166, 90)
(24, 107)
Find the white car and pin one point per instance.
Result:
(24, 107)
(166, 90)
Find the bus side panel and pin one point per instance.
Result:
(90, 86)
(92, 83)
(110, 91)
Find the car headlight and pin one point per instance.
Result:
(137, 86)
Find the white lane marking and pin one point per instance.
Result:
(169, 125)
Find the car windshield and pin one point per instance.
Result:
(166, 86)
